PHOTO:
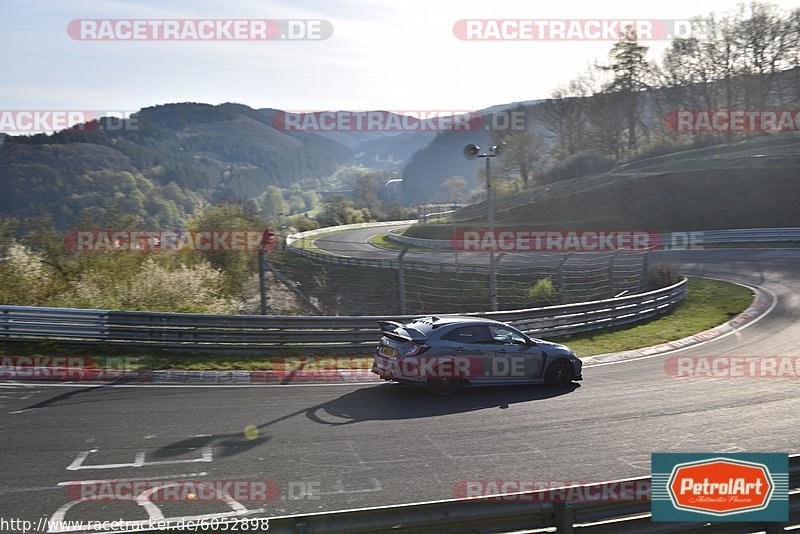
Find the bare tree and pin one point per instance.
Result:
(793, 81)
(763, 37)
(565, 113)
(607, 132)
(455, 189)
(523, 152)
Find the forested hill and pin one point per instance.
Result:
(180, 155)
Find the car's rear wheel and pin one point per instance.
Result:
(443, 387)
(558, 374)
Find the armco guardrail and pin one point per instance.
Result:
(227, 332)
(524, 511)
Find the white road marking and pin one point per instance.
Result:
(339, 488)
(110, 480)
(154, 513)
(138, 461)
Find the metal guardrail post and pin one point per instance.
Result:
(262, 283)
(611, 291)
(401, 278)
(562, 286)
(565, 518)
(643, 279)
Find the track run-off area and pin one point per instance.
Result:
(344, 446)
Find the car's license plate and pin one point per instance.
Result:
(388, 351)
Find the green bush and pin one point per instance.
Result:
(543, 293)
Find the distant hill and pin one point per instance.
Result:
(391, 152)
(375, 147)
(180, 156)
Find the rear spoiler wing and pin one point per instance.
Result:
(389, 326)
(397, 331)
(392, 330)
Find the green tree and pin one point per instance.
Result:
(25, 278)
(272, 203)
(8, 231)
(237, 267)
(454, 189)
(155, 286)
(366, 191)
(311, 199)
(630, 72)
(523, 152)
(339, 210)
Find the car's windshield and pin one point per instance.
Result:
(506, 335)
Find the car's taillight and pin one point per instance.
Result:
(416, 349)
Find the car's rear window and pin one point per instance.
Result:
(467, 334)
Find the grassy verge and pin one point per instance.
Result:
(131, 358)
(708, 304)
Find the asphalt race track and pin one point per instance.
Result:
(378, 444)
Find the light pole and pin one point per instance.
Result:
(472, 152)
(397, 184)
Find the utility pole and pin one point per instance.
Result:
(472, 152)
(267, 242)
(401, 279)
(490, 217)
(262, 283)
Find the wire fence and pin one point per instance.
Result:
(453, 282)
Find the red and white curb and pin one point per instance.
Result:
(763, 303)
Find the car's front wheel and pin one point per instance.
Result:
(558, 374)
(443, 387)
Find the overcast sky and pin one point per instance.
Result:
(394, 55)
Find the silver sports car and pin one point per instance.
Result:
(444, 353)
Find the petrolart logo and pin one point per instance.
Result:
(720, 487)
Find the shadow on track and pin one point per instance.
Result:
(224, 445)
(388, 402)
(382, 402)
(82, 394)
